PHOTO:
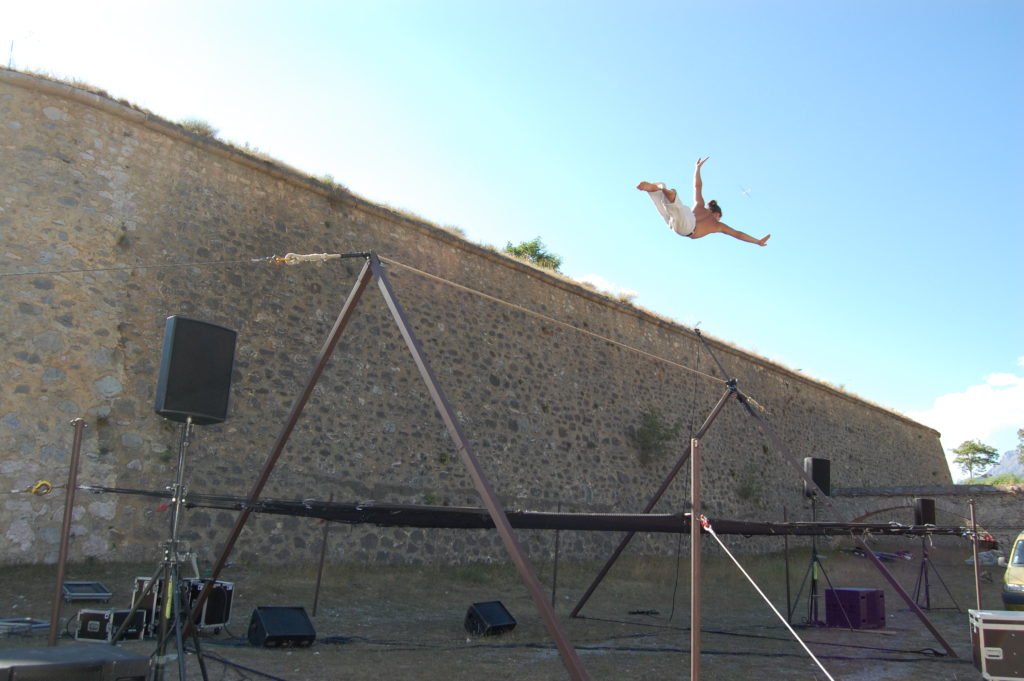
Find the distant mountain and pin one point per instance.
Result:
(1008, 464)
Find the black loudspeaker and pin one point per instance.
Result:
(488, 619)
(195, 371)
(818, 469)
(855, 608)
(274, 626)
(924, 511)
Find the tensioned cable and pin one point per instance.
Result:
(546, 318)
(294, 259)
(707, 527)
(122, 268)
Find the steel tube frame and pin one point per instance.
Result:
(732, 390)
(373, 268)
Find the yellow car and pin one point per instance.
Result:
(1013, 580)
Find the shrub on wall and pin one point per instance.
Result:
(653, 434)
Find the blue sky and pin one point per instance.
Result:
(879, 142)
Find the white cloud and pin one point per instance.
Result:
(602, 284)
(990, 412)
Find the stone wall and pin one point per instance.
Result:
(998, 510)
(112, 219)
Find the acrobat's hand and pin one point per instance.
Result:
(702, 161)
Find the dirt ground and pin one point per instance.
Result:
(407, 621)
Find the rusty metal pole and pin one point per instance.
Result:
(974, 546)
(69, 502)
(695, 528)
(323, 557)
(483, 486)
(905, 596)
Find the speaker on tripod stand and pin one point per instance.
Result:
(193, 387)
(924, 514)
(818, 470)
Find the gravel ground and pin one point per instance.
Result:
(407, 621)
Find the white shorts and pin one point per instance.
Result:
(677, 216)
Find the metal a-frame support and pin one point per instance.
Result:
(373, 269)
(693, 455)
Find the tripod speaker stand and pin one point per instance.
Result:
(169, 619)
(924, 514)
(811, 575)
(819, 471)
(193, 388)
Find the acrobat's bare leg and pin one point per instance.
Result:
(651, 187)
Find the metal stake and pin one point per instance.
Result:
(695, 530)
(69, 503)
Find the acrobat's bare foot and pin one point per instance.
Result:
(651, 187)
(764, 240)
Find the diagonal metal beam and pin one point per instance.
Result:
(340, 324)
(494, 507)
(729, 392)
(906, 597)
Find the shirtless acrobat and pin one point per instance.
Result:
(698, 221)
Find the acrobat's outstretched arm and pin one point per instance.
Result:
(742, 236)
(698, 198)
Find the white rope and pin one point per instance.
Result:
(296, 258)
(707, 526)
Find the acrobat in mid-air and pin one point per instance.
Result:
(698, 221)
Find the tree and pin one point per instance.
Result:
(535, 252)
(973, 455)
(1020, 445)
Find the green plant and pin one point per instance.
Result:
(1004, 479)
(535, 252)
(653, 434)
(199, 127)
(749, 487)
(973, 456)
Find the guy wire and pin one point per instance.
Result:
(552, 320)
(120, 268)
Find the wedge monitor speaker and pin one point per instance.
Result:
(488, 619)
(277, 626)
(195, 371)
